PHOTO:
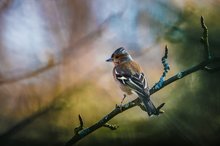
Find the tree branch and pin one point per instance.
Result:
(161, 84)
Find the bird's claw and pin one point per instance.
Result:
(120, 107)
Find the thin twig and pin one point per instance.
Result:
(166, 68)
(80, 127)
(160, 83)
(205, 39)
(182, 74)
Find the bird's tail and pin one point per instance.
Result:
(149, 106)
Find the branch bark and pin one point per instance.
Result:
(136, 102)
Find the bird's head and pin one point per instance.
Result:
(120, 55)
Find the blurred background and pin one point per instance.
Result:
(52, 68)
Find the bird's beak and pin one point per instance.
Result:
(109, 60)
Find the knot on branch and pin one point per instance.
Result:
(166, 68)
(179, 75)
(80, 127)
(110, 126)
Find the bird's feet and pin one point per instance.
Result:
(123, 99)
(121, 106)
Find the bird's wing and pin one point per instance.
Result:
(136, 82)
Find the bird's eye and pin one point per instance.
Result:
(116, 57)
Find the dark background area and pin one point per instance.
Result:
(52, 68)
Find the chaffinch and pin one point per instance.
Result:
(130, 77)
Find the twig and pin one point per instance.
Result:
(160, 83)
(166, 69)
(205, 39)
(182, 74)
(136, 102)
(80, 127)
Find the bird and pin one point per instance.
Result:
(131, 79)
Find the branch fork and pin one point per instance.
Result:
(80, 127)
